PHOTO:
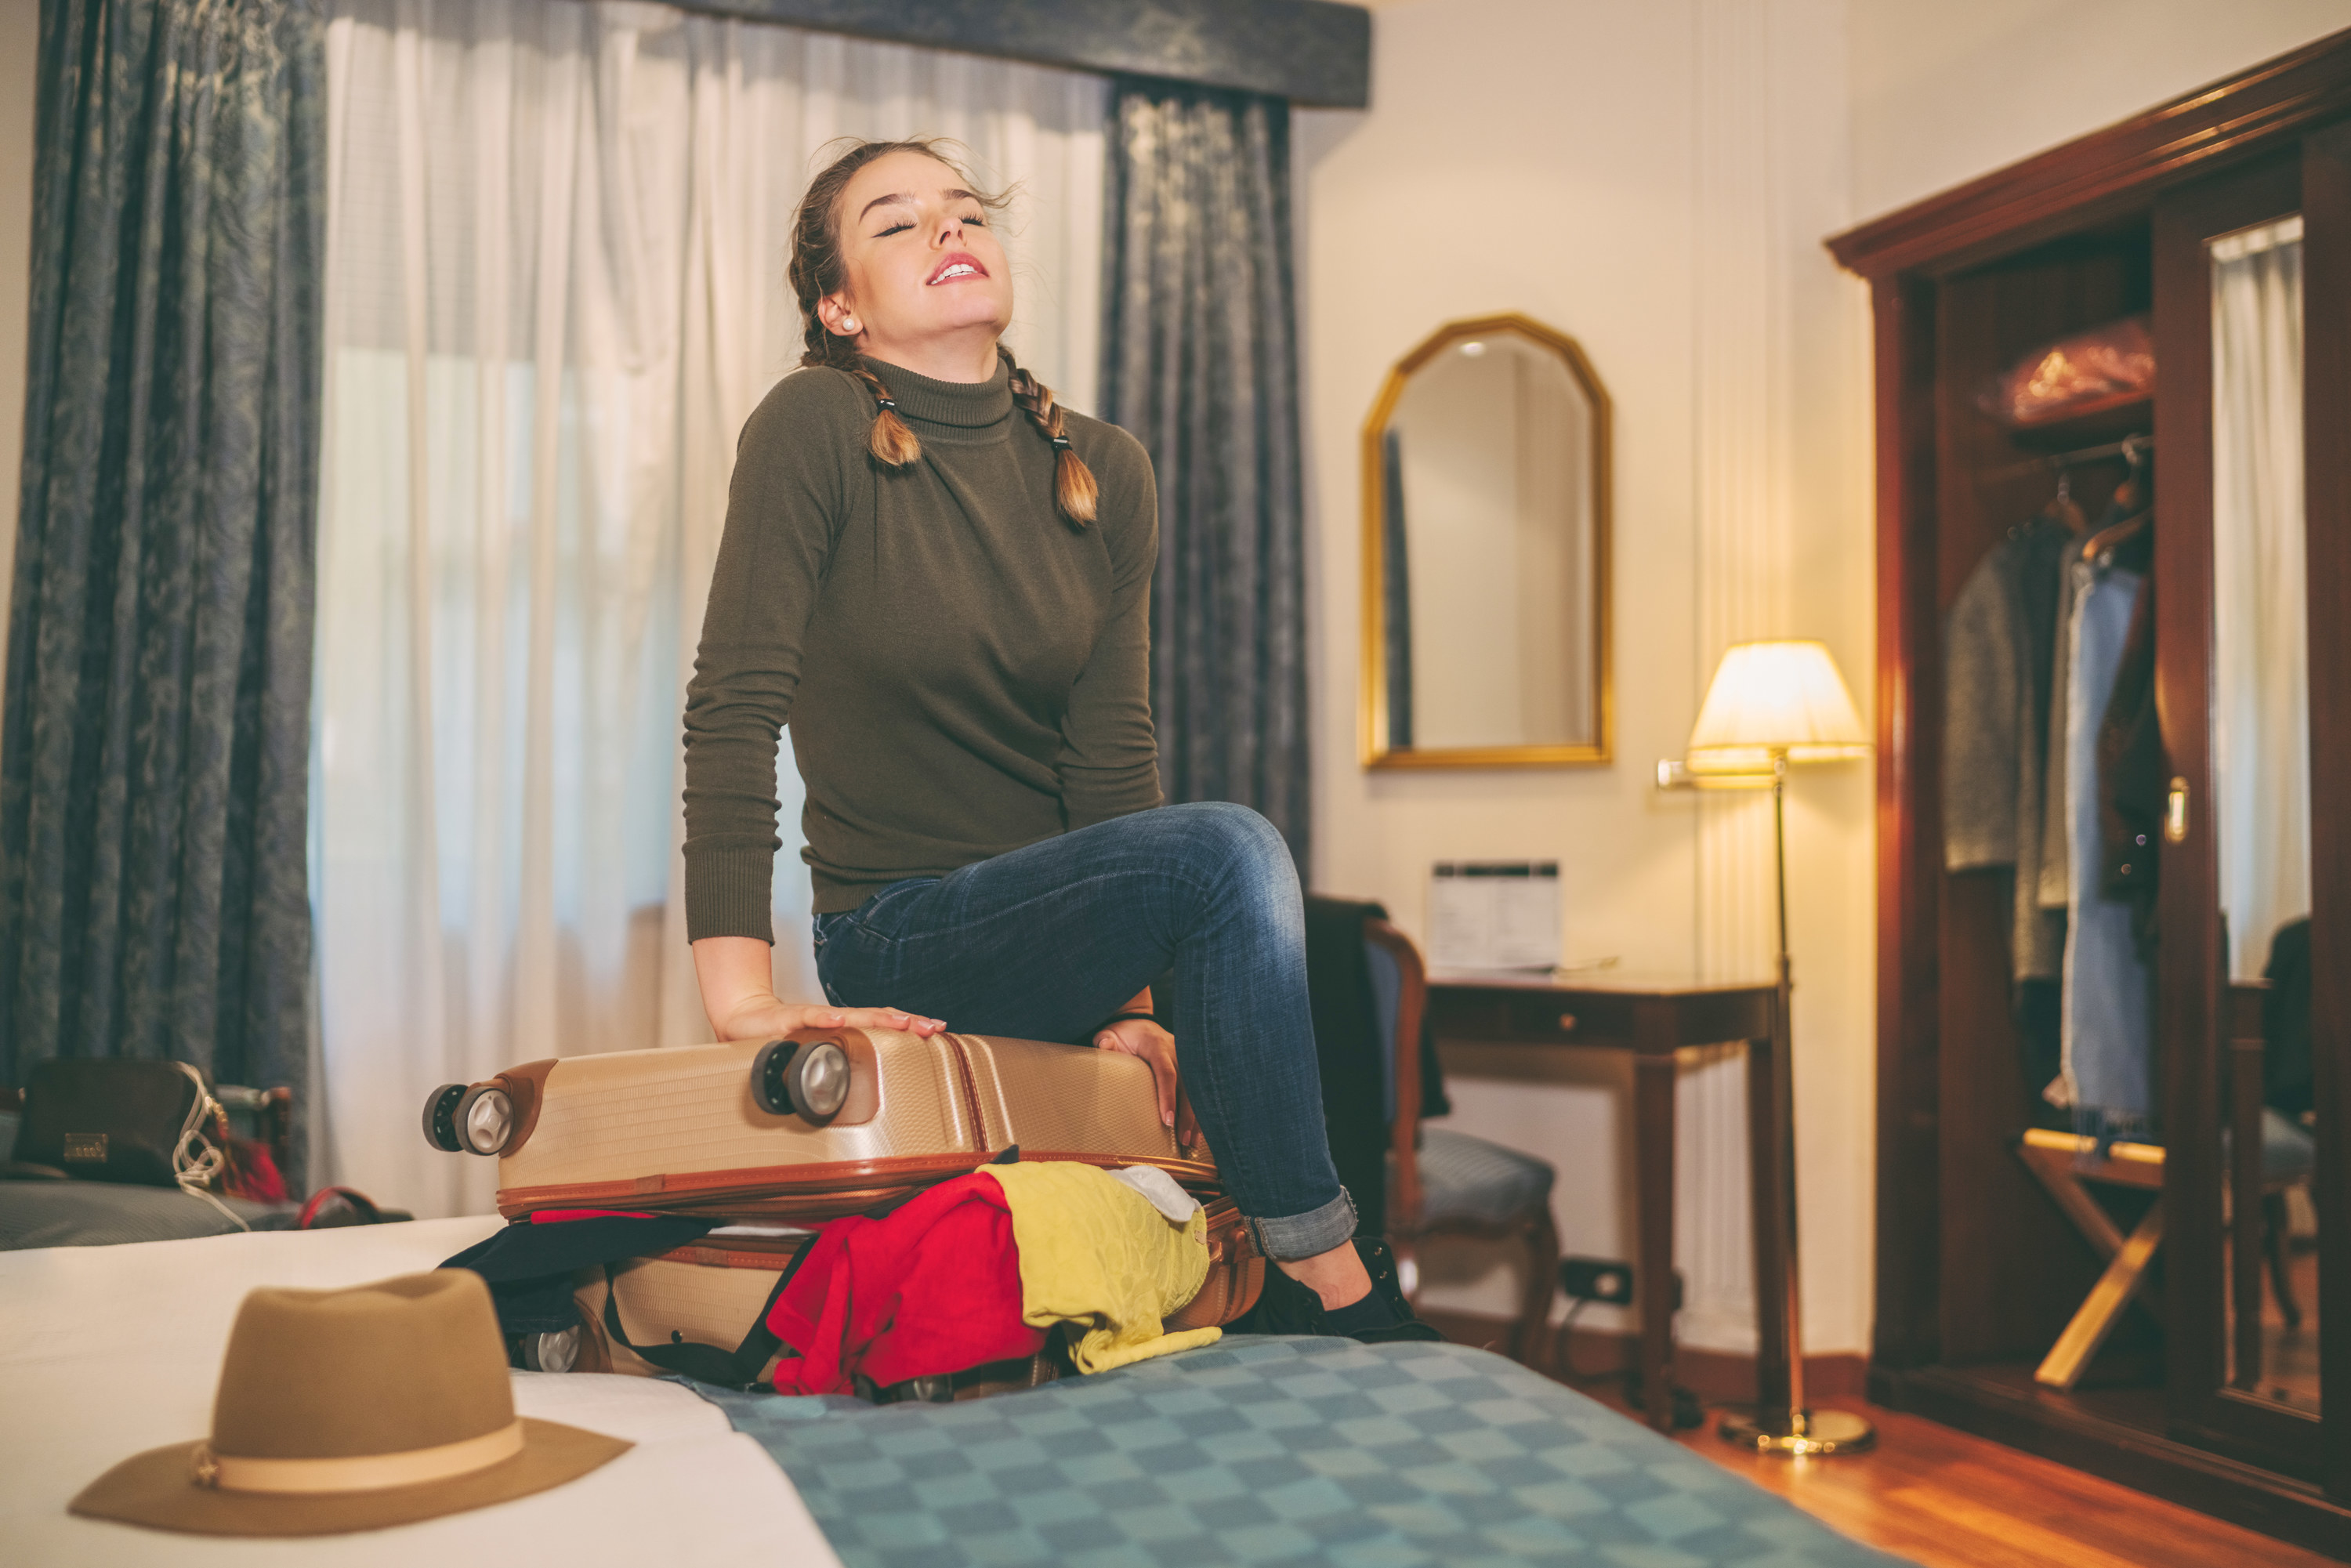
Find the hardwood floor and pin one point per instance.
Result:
(1948, 1499)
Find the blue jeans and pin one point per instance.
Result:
(1046, 941)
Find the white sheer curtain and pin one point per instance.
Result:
(555, 290)
(2261, 611)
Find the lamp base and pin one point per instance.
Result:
(1800, 1432)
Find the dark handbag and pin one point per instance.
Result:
(111, 1119)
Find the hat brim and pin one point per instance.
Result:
(158, 1488)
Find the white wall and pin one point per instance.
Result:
(1942, 93)
(1653, 181)
(1656, 181)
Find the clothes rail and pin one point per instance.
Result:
(2058, 462)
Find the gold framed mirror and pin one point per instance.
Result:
(1486, 518)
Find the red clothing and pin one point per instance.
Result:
(253, 1172)
(932, 1288)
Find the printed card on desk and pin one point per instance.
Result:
(1494, 914)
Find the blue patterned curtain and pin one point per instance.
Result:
(154, 749)
(1200, 361)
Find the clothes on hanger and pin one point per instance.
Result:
(2052, 766)
(2131, 776)
(2129, 505)
(2109, 1027)
(1999, 654)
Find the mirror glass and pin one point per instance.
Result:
(2260, 751)
(1485, 548)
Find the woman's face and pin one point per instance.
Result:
(924, 267)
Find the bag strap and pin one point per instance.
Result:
(707, 1363)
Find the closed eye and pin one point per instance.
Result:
(894, 229)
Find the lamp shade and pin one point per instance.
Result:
(1774, 699)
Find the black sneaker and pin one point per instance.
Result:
(1379, 1261)
(1383, 1317)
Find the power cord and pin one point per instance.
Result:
(1566, 1357)
(1687, 1412)
(197, 1162)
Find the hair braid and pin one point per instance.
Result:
(1075, 491)
(817, 270)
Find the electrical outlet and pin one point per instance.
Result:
(1605, 1280)
(1596, 1280)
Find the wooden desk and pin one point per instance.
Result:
(1654, 1018)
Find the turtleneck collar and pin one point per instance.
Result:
(965, 405)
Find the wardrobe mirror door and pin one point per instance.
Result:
(2261, 814)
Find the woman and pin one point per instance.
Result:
(941, 579)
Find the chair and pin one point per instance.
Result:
(1444, 1183)
(2267, 1155)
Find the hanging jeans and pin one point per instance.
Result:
(1046, 941)
(2109, 1027)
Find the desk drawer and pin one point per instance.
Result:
(1604, 1019)
(1535, 1020)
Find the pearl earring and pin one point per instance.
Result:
(848, 323)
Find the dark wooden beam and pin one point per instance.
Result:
(1312, 52)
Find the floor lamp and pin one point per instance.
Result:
(1773, 704)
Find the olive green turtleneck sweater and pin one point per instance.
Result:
(964, 672)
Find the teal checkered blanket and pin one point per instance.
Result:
(1292, 1451)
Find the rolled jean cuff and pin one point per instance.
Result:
(1307, 1235)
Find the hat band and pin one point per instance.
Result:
(358, 1472)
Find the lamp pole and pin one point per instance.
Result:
(1794, 1430)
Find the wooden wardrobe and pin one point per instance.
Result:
(1977, 1268)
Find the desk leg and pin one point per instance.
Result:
(1653, 1140)
(1766, 1170)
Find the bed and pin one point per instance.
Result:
(1254, 1451)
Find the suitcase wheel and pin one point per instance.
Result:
(806, 1081)
(555, 1351)
(486, 1120)
(441, 1117)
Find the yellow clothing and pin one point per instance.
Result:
(1096, 1254)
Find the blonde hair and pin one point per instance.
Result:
(818, 269)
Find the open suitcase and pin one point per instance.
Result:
(796, 1130)
(714, 1291)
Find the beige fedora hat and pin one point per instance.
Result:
(355, 1409)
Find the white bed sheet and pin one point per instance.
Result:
(106, 1350)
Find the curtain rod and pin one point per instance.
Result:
(1316, 53)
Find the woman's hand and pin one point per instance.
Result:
(769, 1018)
(738, 992)
(1145, 1038)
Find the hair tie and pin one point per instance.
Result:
(887, 403)
(1060, 442)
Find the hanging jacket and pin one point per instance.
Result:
(2109, 1031)
(1998, 653)
(1355, 1059)
(2131, 778)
